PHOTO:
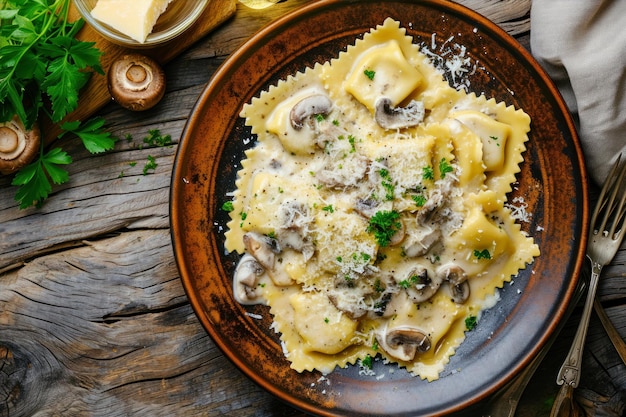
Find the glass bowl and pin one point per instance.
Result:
(177, 18)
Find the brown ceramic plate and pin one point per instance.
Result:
(552, 182)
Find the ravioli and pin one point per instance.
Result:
(373, 205)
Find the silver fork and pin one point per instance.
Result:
(505, 402)
(605, 238)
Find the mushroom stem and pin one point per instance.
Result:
(138, 76)
(136, 82)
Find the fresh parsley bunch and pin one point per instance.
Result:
(42, 68)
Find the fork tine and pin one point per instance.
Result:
(611, 187)
(621, 211)
(615, 208)
(607, 183)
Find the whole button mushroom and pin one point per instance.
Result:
(136, 82)
(18, 146)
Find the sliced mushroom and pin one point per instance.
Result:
(419, 244)
(389, 117)
(456, 277)
(245, 280)
(307, 107)
(351, 307)
(366, 207)
(422, 285)
(264, 249)
(404, 342)
(18, 147)
(136, 82)
(294, 220)
(394, 303)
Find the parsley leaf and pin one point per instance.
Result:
(369, 74)
(33, 182)
(482, 254)
(383, 225)
(94, 138)
(471, 322)
(43, 67)
(428, 173)
(444, 167)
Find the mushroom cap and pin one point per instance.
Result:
(307, 107)
(457, 282)
(245, 281)
(404, 342)
(389, 117)
(424, 284)
(18, 147)
(136, 82)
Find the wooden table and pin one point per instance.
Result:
(93, 316)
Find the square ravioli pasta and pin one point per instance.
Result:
(370, 215)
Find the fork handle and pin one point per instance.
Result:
(570, 370)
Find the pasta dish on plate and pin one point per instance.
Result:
(371, 215)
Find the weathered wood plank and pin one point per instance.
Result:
(106, 329)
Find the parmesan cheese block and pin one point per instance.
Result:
(133, 18)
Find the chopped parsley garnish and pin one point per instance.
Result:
(151, 165)
(383, 225)
(387, 184)
(444, 167)
(419, 200)
(369, 74)
(155, 138)
(407, 283)
(228, 206)
(352, 140)
(428, 173)
(329, 208)
(320, 117)
(404, 284)
(482, 254)
(366, 362)
(470, 322)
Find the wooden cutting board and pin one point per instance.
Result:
(95, 94)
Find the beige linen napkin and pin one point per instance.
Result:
(582, 45)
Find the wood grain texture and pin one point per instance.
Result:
(93, 318)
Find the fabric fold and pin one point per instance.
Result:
(582, 46)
